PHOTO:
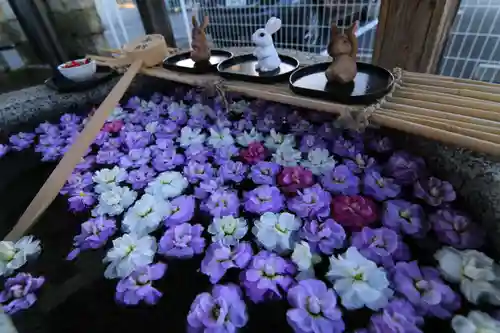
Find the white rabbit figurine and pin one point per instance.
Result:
(267, 57)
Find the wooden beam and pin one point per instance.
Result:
(412, 34)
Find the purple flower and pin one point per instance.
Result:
(380, 144)
(222, 203)
(267, 277)
(182, 210)
(76, 183)
(177, 113)
(327, 131)
(224, 154)
(456, 229)
(161, 145)
(406, 217)
(167, 159)
(347, 148)
(4, 149)
(423, 288)
(264, 198)
(295, 178)
(340, 180)
(197, 121)
(221, 311)
(301, 126)
(312, 202)
(380, 188)
(399, 316)
(167, 130)
(135, 158)
(310, 142)
(198, 153)
(382, 246)
(196, 172)
(81, 201)
(101, 138)
(50, 140)
(265, 123)
(360, 164)
(19, 292)
(323, 237)
(264, 173)
(70, 119)
(139, 178)
(111, 156)
(135, 140)
(182, 241)
(434, 191)
(112, 144)
(51, 154)
(94, 234)
(86, 163)
(207, 187)
(404, 168)
(138, 286)
(21, 140)
(220, 258)
(47, 128)
(233, 171)
(242, 125)
(314, 308)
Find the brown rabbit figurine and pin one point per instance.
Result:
(201, 50)
(343, 49)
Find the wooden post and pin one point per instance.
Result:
(411, 34)
(156, 20)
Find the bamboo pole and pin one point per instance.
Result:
(454, 85)
(454, 91)
(446, 78)
(437, 93)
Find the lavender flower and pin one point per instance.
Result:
(182, 210)
(378, 187)
(404, 168)
(182, 241)
(209, 186)
(224, 154)
(167, 159)
(267, 277)
(434, 191)
(168, 130)
(86, 163)
(347, 148)
(406, 217)
(196, 172)
(19, 292)
(310, 142)
(112, 144)
(198, 153)
(4, 149)
(21, 140)
(340, 180)
(312, 202)
(135, 158)
(81, 201)
(264, 198)
(140, 178)
(360, 164)
(111, 156)
(135, 140)
(162, 144)
(233, 171)
(76, 183)
(220, 258)
(380, 144)
(177, 113)
(94, 234)
(323, 237)
(398, 316)
(138, 287)
(455, 228)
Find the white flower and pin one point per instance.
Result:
(197, 110)
(287, 156)
(303, 258)
(228, 230)
(475, 322)
(146, 215)
(275, 139)
(319, 161)
(358, 281)
(108, 178)
(274, 231)
(246, 138)
(220, 138)
(151, 127)
(168, 184)
(239, 107)
(190, 136)
(117, 114)
(129, 252)
(114, 201)
(478, 275)
(14, 255)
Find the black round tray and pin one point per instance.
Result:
(182, 62)
(61, 84)
(243, 68)
(371, 83)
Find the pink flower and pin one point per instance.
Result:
(295, 178)
(113, 126)
(255, 152)
(354, 212)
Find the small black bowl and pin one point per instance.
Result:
(182, 62)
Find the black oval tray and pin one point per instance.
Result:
(182, 62)
(243, 68)
(61, 84)
(370, 84)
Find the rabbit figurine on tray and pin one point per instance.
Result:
(201, 49)
(343, 49)
(267, 57)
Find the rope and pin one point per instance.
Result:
(213, 88)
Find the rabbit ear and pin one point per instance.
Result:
(273, 25)
(205, 23)
(352, 29)
(335, 29)
(193, 20)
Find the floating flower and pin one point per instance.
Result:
(398, 316)
(254, 153)
(455, 228)
(21, 140)
(264, 198)
(219, 258)
(181, 210)
(135, 158)
(305, 260)
(224, 154)
(19, 292)
(246, 138)
(340, 180)
(94, 234)
(85, 163)
(233, 171)
(267, 277)
(198, 153)
(319, 161)
(220, 138)
(167, 159)
(228, 230)
(129, 253)
(106, 179)
(266, 123)
(323, 237)
(140, 139)
(190, 136)
(264, 173)
(139, 178)
(274, 140)
(406, 217)
(145, 215)
(81, 201)
(404, 168)
(112, 144)
(77, 182)
(314, 308)
(221, 311)
(182, 241)
(177, 113)
(167, 131)
(475, 322)
(113, 127)
(138, 286)
(310, 142)
(360, 164)
(242, 125)
(311, 202)
(378, 187)
(381, 144)
(14, 255)
(423, 287)
(292, 179)
(434, 191)
(287, 156)
(209, 186)
(222, 203)
(108, 156)
(114, 201)
(275, 231)
(196, 172)
(477, 274)
(358, 281)
(168, 184)
(347, 148)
